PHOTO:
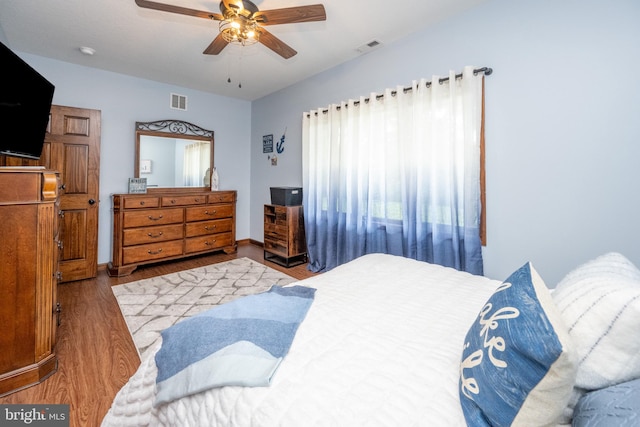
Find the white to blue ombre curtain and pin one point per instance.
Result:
(195, 163)
(398, 173)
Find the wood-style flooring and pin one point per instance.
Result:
(96, 355)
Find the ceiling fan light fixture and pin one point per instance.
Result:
(245, 16)
(239, 30)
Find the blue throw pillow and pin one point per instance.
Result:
(518, 362)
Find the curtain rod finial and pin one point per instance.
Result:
(486, 70)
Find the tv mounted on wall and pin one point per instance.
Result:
(25, 103)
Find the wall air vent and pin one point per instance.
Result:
(368, 47)
(178, 102)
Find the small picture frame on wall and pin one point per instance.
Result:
(145, 166)
(137, 185)
(267, 143)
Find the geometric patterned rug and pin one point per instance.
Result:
(151, 305)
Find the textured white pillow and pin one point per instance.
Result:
(600, 304)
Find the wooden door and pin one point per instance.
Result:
(72, 147)
(73, 138)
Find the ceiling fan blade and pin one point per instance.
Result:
(179, 10)
(275, 44)
(216, 46)
(289, 15)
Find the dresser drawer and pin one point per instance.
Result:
(222, 197)
(276, 246)
(176, 200)
(275, 230)
(162, 233)
(202, 228)
(206, 243)
(152, 251)
(209, 212)
(152, 217)
(140, 202)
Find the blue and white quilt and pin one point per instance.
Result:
(240, 343)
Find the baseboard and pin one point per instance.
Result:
(254, 242)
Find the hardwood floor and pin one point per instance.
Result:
(96, 355)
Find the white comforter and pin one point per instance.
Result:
(380, 346)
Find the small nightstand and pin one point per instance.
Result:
(284, 237)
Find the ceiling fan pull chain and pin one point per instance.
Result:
(240, 67)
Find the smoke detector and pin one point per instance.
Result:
(89, 51)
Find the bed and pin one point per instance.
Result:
(390, 341)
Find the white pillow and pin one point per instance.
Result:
(600, 304)
(612, 264)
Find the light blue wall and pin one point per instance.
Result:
(123, 100)
(3, 37)
(563, 138)
(562, 124)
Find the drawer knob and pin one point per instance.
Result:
(206, 227)
(210, 213)
(150, 252)
(209, 243)
(155, 218)
(153, 236)
(141, 202)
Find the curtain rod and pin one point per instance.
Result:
(486, 70)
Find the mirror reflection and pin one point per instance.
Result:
(174, 162)
(173, 154)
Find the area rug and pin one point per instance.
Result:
(152, 305)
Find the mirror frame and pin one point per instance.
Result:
(174, 129)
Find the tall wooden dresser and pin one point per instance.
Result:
(162, 226)
(28, 276)
(284, 237)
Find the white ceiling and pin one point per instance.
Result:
(167, 47)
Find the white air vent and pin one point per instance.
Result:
(178, 102)
(368, 47)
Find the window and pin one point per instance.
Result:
(397, 173)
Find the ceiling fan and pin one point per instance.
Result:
(242, 22)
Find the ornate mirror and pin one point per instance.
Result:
(174, 155)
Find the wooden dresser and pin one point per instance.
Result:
(28, 276)
(163, 226)
(284, 237)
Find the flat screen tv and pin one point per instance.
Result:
(25, 103)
